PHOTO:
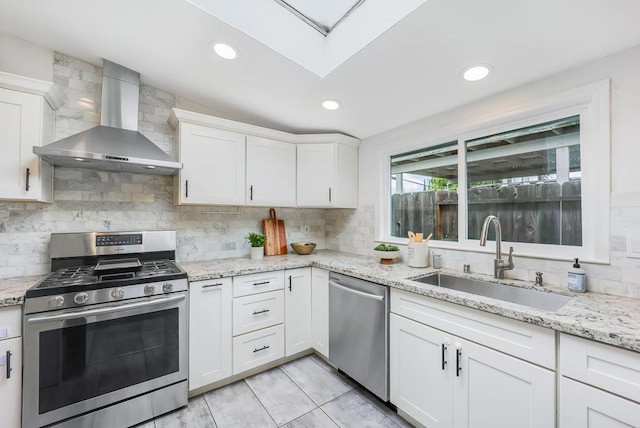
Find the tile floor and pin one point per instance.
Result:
(306, 392)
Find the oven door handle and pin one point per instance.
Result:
(109, 310)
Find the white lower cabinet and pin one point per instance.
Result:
(421, 382)
(11, 382)
(209, 331)
(258, 317)
(257, 348)
(492, 389)
(587, 407)
(10, 367)
(600, 385)
(298, 310)
(445, 380)
(320, 311)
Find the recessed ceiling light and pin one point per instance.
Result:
(225, 50)
(331, 104)
(79, 159)
(476, 72)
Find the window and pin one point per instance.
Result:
(542, 168)
(530, 179)
(424, 194)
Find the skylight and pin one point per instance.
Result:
(322, 16)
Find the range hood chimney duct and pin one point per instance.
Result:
(115, 145)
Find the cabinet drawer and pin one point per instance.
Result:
(526, 341)
(612, 369)
(10, 322)
(244, 285)
(258, 311)
(257, 348)
(585, 406)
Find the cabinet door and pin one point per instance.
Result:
(316, 175)
(492, 389)
(421, 372)
(588, 407)
(213, 169)
(271, 172)
(297, 310)
(209, 332)
(11, 385)
(21, 128)
(320, 311)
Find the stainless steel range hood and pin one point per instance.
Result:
(115, 145)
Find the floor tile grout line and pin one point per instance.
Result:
(299, 387)
(259, 401)
(330, 371)
(354, 390)
(208, 407)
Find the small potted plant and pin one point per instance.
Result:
(257, 245)
(386, 253)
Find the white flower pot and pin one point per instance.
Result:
(257, 253)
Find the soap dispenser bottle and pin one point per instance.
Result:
(577, 278)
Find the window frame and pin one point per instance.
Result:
(590, 102)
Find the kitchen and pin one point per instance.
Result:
(89, 200)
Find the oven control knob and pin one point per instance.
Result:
(149, 289)
(167, 287)
(56, 301)
(81, 298)
(117, 293)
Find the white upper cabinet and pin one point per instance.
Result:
(213, 166)
(232, 163)
(26, 120)
(327, 175)
(271, 172)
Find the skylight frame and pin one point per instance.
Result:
(322, 29)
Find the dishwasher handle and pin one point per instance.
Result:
(359, 293)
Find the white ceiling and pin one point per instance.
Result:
(409, 72)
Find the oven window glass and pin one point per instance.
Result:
(83, 361)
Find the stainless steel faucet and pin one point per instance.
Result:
(499, 265)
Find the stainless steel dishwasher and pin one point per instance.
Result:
(359, 331)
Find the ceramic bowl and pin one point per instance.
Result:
(303, 248)
(386, 257)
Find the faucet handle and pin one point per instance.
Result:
(510, 261)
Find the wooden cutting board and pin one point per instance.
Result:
(273, 229)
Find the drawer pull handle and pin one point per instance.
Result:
(444, 358)
(8, 363)
(217, 284)
(261, 349)
(261, 283)
(261, 312)
(458, 368)
(290, 283)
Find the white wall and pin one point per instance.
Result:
(622, 276)
(25, 59)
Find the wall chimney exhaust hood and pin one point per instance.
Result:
(115, 145)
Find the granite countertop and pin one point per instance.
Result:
(12, 290)
(608, 319)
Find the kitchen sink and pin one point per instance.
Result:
(522, 296)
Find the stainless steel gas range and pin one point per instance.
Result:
(105, 334)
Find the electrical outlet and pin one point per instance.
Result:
(306, 229)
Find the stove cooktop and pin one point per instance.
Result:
(83, 278)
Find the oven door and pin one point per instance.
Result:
(76, 361)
